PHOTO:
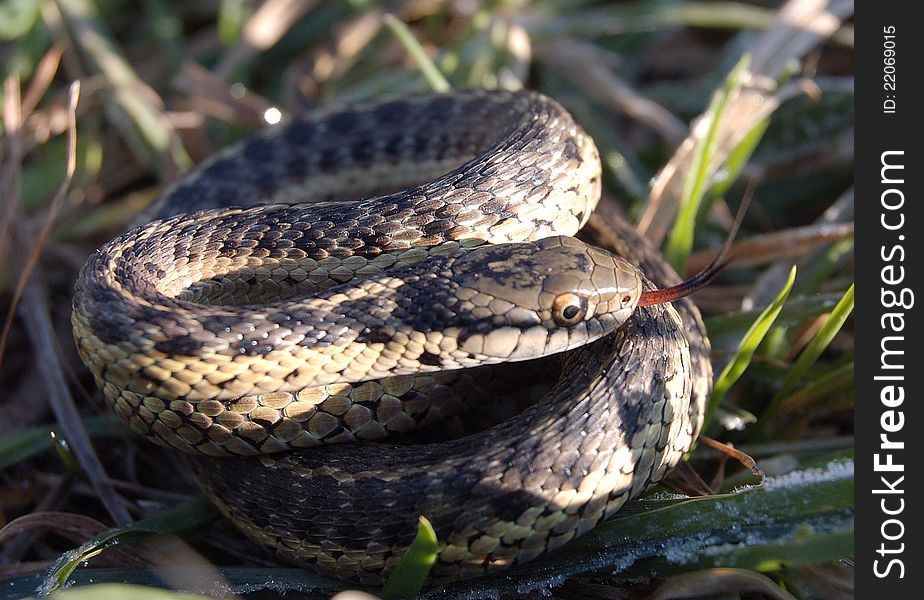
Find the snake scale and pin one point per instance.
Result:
(322, 282)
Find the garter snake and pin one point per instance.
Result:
(320, 282)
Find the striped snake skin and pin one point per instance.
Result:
(332, 279)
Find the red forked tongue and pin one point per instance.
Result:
(699, 281)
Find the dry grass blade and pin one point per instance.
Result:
(72, 526)
(800, 25)
(11, 153)
(331, 62)
(42, 235)
(804, 335)
(809, 355)
(779, 245)
(841, 210)
(41, 79)
(731, 451)
(139, 112)
(688, 481)
(11, 174)
(581, 64)
(839, 213)
(808, 398)
(266, 27)
(34, 306)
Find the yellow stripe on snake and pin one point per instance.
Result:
(320, 283)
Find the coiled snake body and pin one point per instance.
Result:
(285, 277)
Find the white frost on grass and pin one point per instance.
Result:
(685, 550)
(659, 496)
(833, 471)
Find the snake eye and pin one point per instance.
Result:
(568, 309)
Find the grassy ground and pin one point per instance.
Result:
(768, 90)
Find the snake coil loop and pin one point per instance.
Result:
(324, 281)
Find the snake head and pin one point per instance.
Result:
(533, 299)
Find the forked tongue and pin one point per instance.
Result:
(701, 279)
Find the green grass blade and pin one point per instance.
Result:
(745, 352)
(676, 520)
(737, 159)
(830, 385)
(741, 154)
(232, 17)
(187, 515)
(809, 355)
(617, 19)
(697, 180)
(17, 446)
(796, 310)
(411, 573)
(806, 546)
(430, 71)
(823, 266)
